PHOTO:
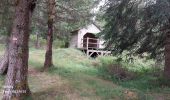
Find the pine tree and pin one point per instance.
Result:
(139, 27)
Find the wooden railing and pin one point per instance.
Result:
(90, 43)
(92, 47)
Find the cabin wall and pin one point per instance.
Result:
(77, 39)
(89, 29)
(80, 41)
(81, 33)
(74, 41)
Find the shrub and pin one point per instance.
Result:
(58, 44)
(120, 73)
(106, 60)
(163, 82)
(110, 68)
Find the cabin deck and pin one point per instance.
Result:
(91, 46)
(98, 52)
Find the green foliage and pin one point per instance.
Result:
(57, 43)
(33, 39)
(136, 26)
(141, 74)
(3, 31)
(139, 65)
(6, 13)
(81, 72)
(164, 82)
(70, 15)
(85, 74)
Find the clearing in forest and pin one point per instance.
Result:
(77, 77)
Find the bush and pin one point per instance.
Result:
(163, 82)
(58, 44)
(106, 60)
(120, 73)
(110, 68)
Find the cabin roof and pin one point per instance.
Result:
(92, 28)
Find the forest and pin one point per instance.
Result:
(85, 49)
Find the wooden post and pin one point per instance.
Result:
(102, 53)
(87, 45)
(87, 53)
(98, 43)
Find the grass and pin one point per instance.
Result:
(77, 77)
(147, 78)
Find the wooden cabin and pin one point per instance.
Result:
(86, 40)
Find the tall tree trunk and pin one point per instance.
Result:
(51, 15)
(16, 84)
(167, 57)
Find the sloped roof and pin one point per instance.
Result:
(92, 28)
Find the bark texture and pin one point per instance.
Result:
(51, 15)
(167, 57)
(16, 83)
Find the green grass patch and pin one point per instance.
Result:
(82, 77)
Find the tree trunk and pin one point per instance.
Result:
(51, 15)
(167, 57)
(16, 84)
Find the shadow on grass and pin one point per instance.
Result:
(89, 85)
(143, 82)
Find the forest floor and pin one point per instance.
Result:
(76, 77)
